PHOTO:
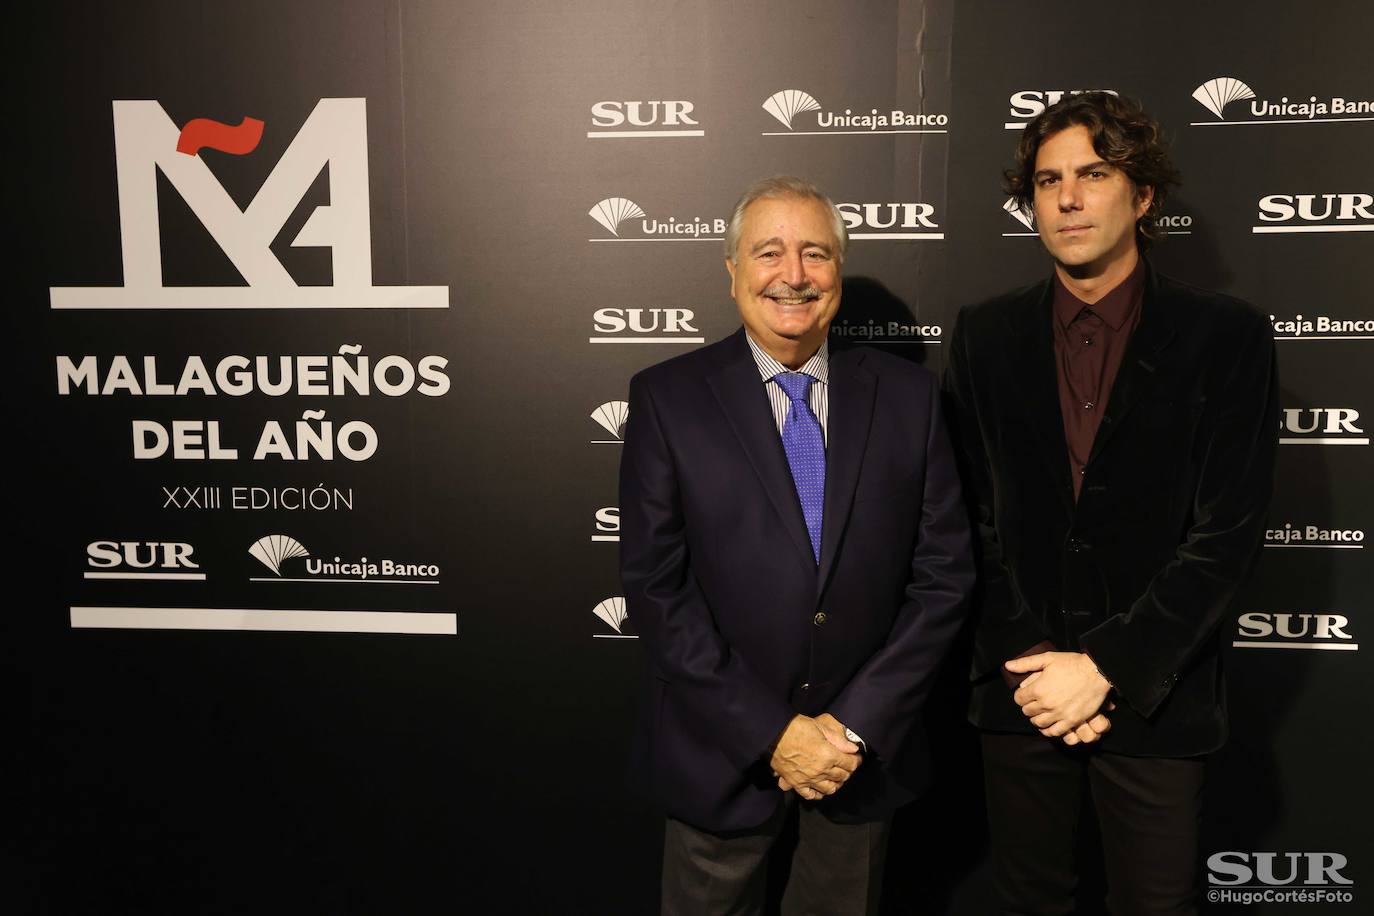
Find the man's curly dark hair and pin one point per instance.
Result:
(1122, 134)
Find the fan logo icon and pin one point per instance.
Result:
(275, 549)
(613, 212)
(332, 141)
(787, 105)
(1023, 215)
(615, 615)
(612, 417)
(1219, 92)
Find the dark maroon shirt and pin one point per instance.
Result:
(1089, 342)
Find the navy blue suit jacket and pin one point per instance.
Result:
(726, 595)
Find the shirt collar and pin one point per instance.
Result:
(1113, 308)
(818, 366)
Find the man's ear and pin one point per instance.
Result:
(1144, 196)
(730, 268)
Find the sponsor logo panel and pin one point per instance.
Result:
(803, 115)
(1314, 537)
(1283, 214)
(291, 561)
(1221, 92)
(1321, 327)
(645, 325)
(1278, 877)
(1295, 630)
(148, 560)
(643, 120)
(1321, 426)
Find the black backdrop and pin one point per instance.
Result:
(221, 761)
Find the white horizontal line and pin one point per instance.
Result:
(637, 134)
(1020, 235)
(1261, 230)
(612, 636)
(1320, 441)
(608, 441)
(349, 581)
(1015, 125)
(1321, 546)
(845, 133)
(1245, 644)
(1328, 337)
(881, 340)
(605, 537)
(698, 239)
(653, 340)
(1276, 121)
(132, 575)
(259, 619)
(1179, 232)
(896, 235)
(248, 297)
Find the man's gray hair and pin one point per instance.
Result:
(776, 187)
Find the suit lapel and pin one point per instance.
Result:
(739, 390)
(851, 392)
(1140, 365)
(1031, 361)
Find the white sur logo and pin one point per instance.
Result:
(335, 134)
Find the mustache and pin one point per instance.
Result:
(782, 290)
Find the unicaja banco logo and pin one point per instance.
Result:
(612, 417)
(275, 549)
(615, 615)
(786, 106)
(614, 212)
(1218, 93)
(147, 143)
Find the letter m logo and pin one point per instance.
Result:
(335, 134)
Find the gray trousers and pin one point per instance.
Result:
(837, 869)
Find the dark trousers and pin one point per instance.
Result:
(1148, 810)
(836, 868)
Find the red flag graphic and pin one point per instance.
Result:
(203, 133)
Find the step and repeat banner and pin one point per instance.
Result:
(325, 318)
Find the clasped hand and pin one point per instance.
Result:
(813, 757)
(1065, 695)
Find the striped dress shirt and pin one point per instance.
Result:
(818, 367)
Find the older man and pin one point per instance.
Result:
(1120, 430)
(796, 561)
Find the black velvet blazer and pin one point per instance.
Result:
(1141, 571)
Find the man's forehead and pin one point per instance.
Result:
(1075, 141)
(758, 224)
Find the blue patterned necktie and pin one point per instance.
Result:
(804, 444)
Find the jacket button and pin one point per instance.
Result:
(805, 687)
(819, 619)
